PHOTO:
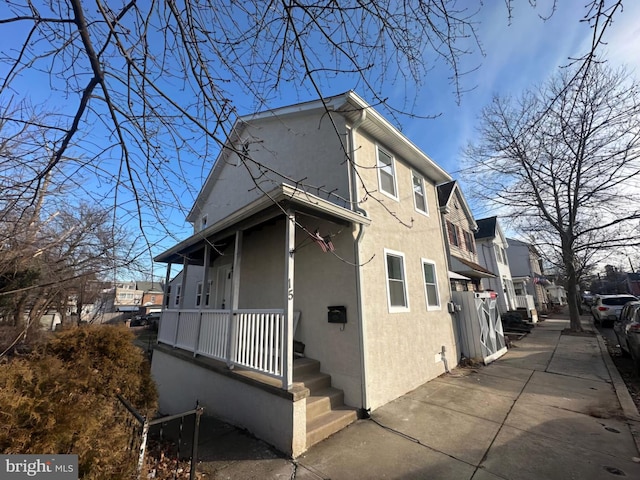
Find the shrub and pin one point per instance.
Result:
(61, 399)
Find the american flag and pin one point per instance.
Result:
(324, 243)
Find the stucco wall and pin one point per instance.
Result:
(401, 348)
(320, 280)
(270, 417)
(299, 148)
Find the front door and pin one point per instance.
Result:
(223, 290)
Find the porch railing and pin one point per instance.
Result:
(525, 301)
(253, 339)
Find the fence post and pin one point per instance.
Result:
(143, 447)
(194, 445)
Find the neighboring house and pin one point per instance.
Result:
(557, 294)
(318, 221)
(152, 296)
(465, 273)
(127, 297)
(633, 283)
(526, 271)
(492, 253)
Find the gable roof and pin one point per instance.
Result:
(355, 110)
(446, 192)
(486, 228)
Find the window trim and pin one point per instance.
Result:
(198, 294)
(393, 173)
(178, 294)
(452, 230)
(414, 175)
(423, 262)
(207, 297)
(396, 308)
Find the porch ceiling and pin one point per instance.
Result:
(264, 209)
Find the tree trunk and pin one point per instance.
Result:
(575, 324)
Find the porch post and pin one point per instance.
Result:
(167, 279)
(235, 295)
(289, 264)
(183, 285)
(166, 297)
(203, 292)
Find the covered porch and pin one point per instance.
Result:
(237, 303)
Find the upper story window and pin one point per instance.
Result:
(203, 222)
(501, 254)
(396, 281)
(386, 174)
(454, 238)
(469, 240)
(419, 197)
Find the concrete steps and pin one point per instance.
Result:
(326, 411)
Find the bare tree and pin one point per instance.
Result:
(563, 162)
(145, 90)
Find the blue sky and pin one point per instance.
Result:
(518, 55)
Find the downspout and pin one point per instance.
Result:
(365, 410)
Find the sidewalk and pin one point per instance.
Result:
(553, 407)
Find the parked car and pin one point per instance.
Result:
(606, 308)
(587, 298)
(627, 330)
(151, 319)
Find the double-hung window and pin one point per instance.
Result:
(419, 197)
(396, 281)
(431, 285)
(386, 174)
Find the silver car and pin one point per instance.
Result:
(606, 308)
(627, 330)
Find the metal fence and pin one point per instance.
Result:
(141, 427)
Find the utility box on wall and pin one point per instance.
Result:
(337, 314)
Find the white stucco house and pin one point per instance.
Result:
(492, 254)
(318, 223)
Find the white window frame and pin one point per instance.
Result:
(393, 173)
(207, 297)
(396, 308)
(426, 261)
(198, 294)
(177, 297)
(415, 175)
